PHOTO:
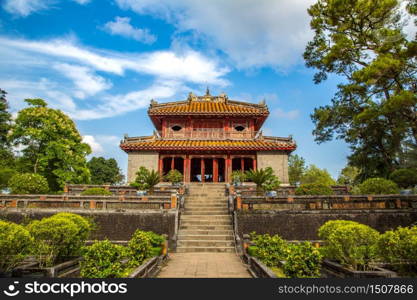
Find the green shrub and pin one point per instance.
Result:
(145, 179)
(264, 179)
(303, 261)
(404, 178)
(103, 260)
(327, 228)
(28, 183)
(85, 226)
(314, 189)
(352, 245)
(96, 191)
(5, 175)
(396, 246)
(238, 177)
(139, 247)
(56, 239)
(378, 186)
(15, 245)
(271, 250)
(174, 176)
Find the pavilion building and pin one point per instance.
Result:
(206, 138)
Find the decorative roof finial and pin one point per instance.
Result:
(207, 91)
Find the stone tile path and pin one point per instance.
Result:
(204, 265)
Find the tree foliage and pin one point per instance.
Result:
(28, 183)
(52, 145)
(6, 156)
(104, 171)
(348, 176)
(313, 174)
(374, 110)
(146, 179)
(296, 168)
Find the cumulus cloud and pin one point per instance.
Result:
(86, 82)
(167, 74)
(24, 8)
(96, 148)
(121, 26)
(289, 115)
(252, 33)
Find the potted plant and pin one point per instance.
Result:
(175, 177)
(146, 180)
(238, 177)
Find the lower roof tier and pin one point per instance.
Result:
(265, 144)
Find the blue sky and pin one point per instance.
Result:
(102, 61)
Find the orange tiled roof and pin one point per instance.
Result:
(208, 107)
(250, 145)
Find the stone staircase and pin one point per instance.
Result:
(205, 224)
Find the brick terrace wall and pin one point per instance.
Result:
(303, 224)
(113, 225)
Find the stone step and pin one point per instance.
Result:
(193, 217)
(205, 249)
(205, 212)
(205, 227)
(205, 237)
(205, 243)
(205, 232)
(206, 222)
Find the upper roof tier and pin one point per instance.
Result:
(208, 105)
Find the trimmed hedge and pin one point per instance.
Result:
(96, 192)
(399, 245)
(378, 186)
(313, 189)
(28, 183)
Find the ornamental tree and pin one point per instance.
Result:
(296, 168)
(52, 145)
(313, 174)
(104, 171)
(374, 109)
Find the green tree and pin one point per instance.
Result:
(348, 176)
(314, 174)
(6, 156)
(104, 171)
(52, 145)
(296, 168)
(374, 110)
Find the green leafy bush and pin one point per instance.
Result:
(352, 245)
(396, 246)
(145, 179)
(238, 177)
(303, 261)
(378, 186)
(404, 178)
(58, 238)
(327, 228)
(271, 250)
(15, 245)
(314, 189)
(28, 183)
(85, 226)
(174, 176)
(5, 175)
(264, 179)
(103, 260)
(139, 247)
(96, 191)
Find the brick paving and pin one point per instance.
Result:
(204, 265)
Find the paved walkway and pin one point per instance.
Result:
(204, 265)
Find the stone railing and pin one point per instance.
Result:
(89, 202)
(291, 202)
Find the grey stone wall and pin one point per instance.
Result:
(303, 225)
(147, 159)
(277, 160)
(112, 225)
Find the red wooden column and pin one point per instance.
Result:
(254, 163)
(184, 169)
(172, 163)
(242, 164)
(203, 167)
(228, 168)
(160, 166)
(215, 170)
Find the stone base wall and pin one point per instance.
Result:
(147, 159)
(303, 225)
(112, 225)
(277, 160)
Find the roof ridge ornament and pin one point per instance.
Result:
(262, 102)
(153, 102)
(208, 91)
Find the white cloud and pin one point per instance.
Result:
(289, 115)
(24, 8)
(82, 2)
(96, 148)
(85, 80)
(121, 26)
(252, 33)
